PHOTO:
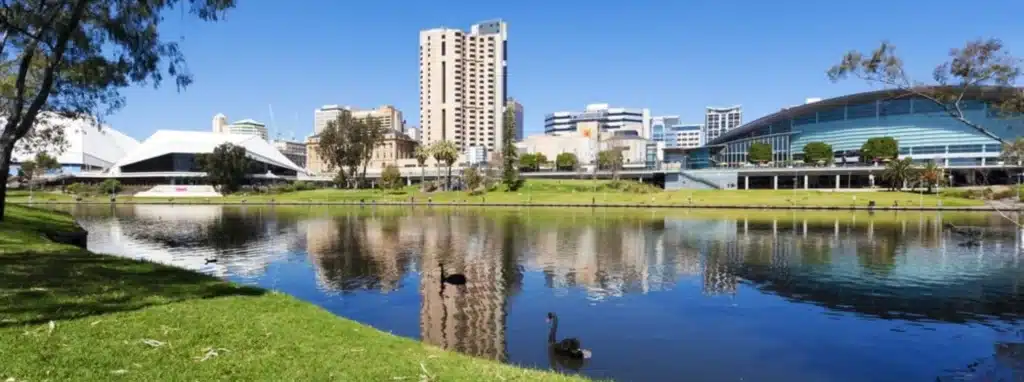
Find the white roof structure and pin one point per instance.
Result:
(165, 142)
(87, 144)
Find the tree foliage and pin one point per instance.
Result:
(759, 152)
(70, 58)
(531, 162)
(1013, 152)
(226, 166)
(978, 64)
(610, 160)
(110, 186)
(391, 177)
(509, 154)
(897, 172)
(818, 153)
(930, 176)
(422, 154)
(447, 153)
(566, 162)
(38, 166)
(879, 148)
(346, 144)
(473, 178)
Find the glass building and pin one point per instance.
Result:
(923, 129)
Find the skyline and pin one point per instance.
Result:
(557, 59)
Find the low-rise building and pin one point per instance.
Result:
(396, 148)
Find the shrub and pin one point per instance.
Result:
(79, 189)
(303, 186)
(110, 186)
(473, 178)
(391, 178)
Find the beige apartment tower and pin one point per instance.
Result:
(390, 118)
(464, 85)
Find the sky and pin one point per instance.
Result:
(674, 57)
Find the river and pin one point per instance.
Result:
(697, 295)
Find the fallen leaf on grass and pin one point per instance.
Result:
(153, 343)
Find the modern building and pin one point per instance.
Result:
(476, 155)
(414, 133)
(243, 127)
(588, 140)
(660, 125)
(689, 135)
(517, 112)
(169, 155)
(719, 120)
(390, 117)
(88, 145)
(294, 151)
(396, 148)
(464, 84)
(607, 118)
(923, 130)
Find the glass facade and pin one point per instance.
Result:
(923, 130)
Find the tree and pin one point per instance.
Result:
(531, 162)
(38, 166)
(70, 58)
(566, 162)
(879, 148)
(610, 160)
(978, 64)
(110, 186)
(226, 166)
(897, 172)
(473, 178)
(391, 177)
(445, 152)
(930, 176)
(759, 152)
(347, 143)
(818, 153)
(422, 154)
(1013, 152)
(509, 154)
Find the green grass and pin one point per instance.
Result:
(538, 191)
(68, 314)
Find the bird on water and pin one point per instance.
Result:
(454, 278)
(568, 347)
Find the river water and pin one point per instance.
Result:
(656, 295)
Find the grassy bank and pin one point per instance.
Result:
(539, 191)
(68, 314)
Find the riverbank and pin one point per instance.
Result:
(69, 314)
(574, 193)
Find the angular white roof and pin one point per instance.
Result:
(87, 144)
(165, 142)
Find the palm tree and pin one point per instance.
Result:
(445, 152)
(930, 175)
(422, 154)
(897, 172)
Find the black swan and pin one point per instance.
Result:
(568, 347)
(454, 278)
(211, 260)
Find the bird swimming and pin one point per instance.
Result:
(568, 347)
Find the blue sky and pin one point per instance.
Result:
(674, 57)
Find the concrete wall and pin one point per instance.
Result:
(702, 180)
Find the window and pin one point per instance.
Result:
(894, 107)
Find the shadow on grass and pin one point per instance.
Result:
(66, 282)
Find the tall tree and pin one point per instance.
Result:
(369, 134)
(610, 160)
(447, 153)
(37, 167)
(70, 58)
(343, 145)
(422, 154)
(509, 154)
(897, 172)
(979, 63)
(226, 167)
(930, 175)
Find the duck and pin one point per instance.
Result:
(567, 347)
(454, 278)
(211, 260)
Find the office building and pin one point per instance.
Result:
(719, 120)
(685, 135)
(463, 84)
(414, 133)
(660, 125)
(608, 119)
(517, 112)
(243, 127)
(390, 118)
(294, 151)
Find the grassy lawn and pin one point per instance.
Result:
(68, 314)
(581, 192)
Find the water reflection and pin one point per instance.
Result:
(636, 285)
